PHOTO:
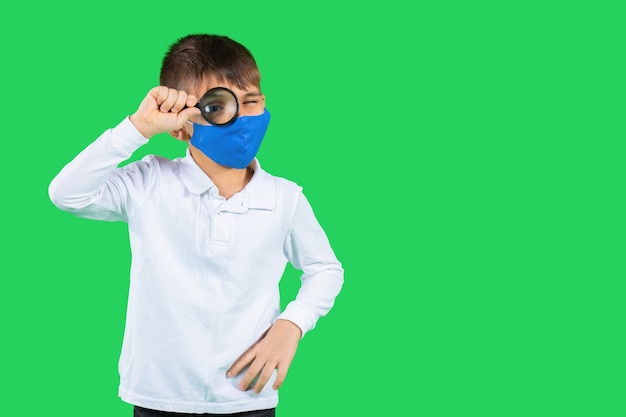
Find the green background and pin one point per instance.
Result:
(465, 158)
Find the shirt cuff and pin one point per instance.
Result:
(298, 315)
(125, 137)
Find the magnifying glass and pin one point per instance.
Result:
(219, 106)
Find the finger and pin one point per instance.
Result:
(187, 113)
(242, 361)
(191, 100)
(280, 377)
(265, 376)
(159, 94)
(250, 375)
(187, 110)
(236, 368)
(169, 102)
(179, 104)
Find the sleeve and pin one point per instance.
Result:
(93, 186)
(308, 249)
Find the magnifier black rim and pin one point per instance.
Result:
(232, 120)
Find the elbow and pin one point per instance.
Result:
(328, 280)
(62, 198)
(55, 195)
(336, 271)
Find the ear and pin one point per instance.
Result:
(180, 134)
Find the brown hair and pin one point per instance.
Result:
(194, 58)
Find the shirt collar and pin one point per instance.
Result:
(260, 192)
(193, 177)
(261, 188)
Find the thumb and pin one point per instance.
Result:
(186, 113)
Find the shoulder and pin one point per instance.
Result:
(287, 185)
(283, 186)
(149, 171)
(153, 163)
(272, 192)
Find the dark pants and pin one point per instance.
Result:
(144, 412)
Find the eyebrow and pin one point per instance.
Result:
(247, 95)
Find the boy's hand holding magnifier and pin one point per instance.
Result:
(166, 109)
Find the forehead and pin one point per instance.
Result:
(211, 82)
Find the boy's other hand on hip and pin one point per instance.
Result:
(274, 350)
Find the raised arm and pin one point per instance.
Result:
(90, 185)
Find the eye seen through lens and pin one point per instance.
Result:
(219, 106)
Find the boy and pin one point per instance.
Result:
(210, 236)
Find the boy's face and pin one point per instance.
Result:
(251, 101)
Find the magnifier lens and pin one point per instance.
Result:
(219, 106)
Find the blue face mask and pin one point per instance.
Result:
(234, 145)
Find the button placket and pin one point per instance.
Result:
(220, 224)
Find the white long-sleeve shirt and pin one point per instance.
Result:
(205, 270)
